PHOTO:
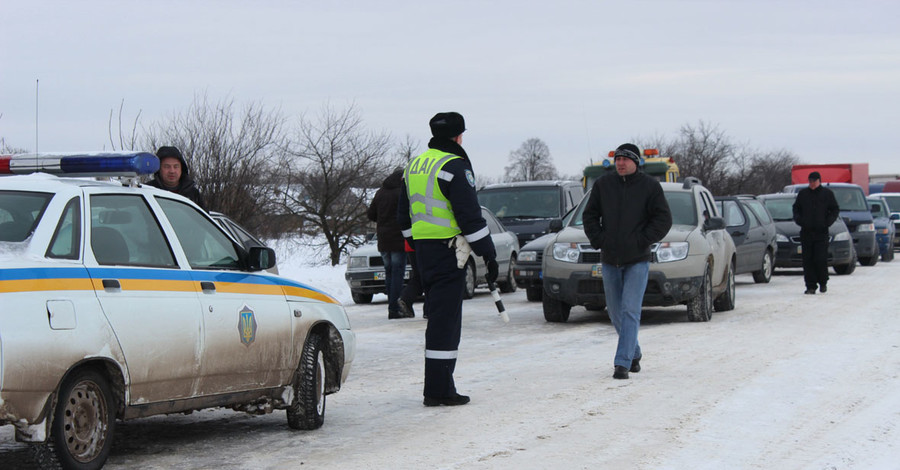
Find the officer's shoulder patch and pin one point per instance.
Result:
(470, 177)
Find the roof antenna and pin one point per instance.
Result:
(36, 94)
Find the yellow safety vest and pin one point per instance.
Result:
(430, 210)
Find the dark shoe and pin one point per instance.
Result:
(405, 309)
(635, 366)
(620, 373)
(823, 288)
(395, 315)
(810, 291)
(455, 400)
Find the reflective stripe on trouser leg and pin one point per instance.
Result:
(443, 283)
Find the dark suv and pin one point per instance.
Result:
(527, 208)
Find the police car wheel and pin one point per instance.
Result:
(83, 422)
(307, 409)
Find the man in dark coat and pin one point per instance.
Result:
(173, 175)
(815, 209)
(626, 213)
(383, 211)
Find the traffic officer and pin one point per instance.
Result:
(440, 203)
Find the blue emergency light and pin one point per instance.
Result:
(81, 164)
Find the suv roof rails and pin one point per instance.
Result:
(690, 181)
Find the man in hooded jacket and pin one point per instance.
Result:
(174, 176)
(383, 211)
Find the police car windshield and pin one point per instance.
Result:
(522, 202)
(20, 212)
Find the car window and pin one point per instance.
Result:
(731, 213)
(124, 231)
(20, 212)
(880, 210)
(66, 241)
(850, 198)
(247, 240)
(893, 203)
(681, 204)
(492, 223)
(524, 203)
(708, 206)
(780, 208)
(759, 210)
(204, 243)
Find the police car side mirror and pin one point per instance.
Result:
(714, 223)
(555, 225)
(260, 258)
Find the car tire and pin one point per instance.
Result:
(534, 294)
(469, 290)
(725, 301)
(700, 307)
(307, 409)
(555, 310)
(844, 269)
(869, 260)
(888, 255)
(764, 275)
(509, 286)
(83, 423)
(360, 298)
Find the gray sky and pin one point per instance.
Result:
(819, 78)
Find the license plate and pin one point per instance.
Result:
(596, 270)
(379, 276)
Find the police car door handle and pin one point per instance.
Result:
(206, 285)
(111, 284)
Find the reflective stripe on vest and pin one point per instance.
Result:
(430, 211)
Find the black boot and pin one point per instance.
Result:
(455, 400)
(635, 365)
(620, 373)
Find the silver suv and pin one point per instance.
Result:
(694, 264)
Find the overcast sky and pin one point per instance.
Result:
(818, 78)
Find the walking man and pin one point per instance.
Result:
(815, 209)
(438, 205)
(626, 213)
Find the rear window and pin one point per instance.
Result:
(20, 212)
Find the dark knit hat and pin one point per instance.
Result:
(815, 176)
(169, 152)
(629, 151)
(447, 125)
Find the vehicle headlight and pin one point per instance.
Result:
(842, 236)
(528, 256)
(780, 237)
(358, 262)
(566, 252)
(866, 228)
(672, 251)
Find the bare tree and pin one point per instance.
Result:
(531, 162)
(770, 171)
(707, 153)
(331, 172)
(125, 142)
(229, 154)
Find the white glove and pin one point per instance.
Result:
(463, 250)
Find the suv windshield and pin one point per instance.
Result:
(893, 203)
(522, 203)
(781, 208)
(850, 198)
(20, 212)
(680, 203)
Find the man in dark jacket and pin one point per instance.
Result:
(815, 209)
(626, 213)
(173, 175)
(383, 212)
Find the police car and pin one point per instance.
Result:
(121, 301)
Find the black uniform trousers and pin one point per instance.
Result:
(443, 283)
(815, 260)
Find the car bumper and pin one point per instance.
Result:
(865, 244)
(789, 254)
(581, 288)
(528, 275)
(369, 282)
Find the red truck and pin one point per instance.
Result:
(856, 173)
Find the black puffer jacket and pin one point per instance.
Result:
(383, 212)
(186, 186)
(625, 215)
(814, 211)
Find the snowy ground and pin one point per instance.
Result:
(783, 381)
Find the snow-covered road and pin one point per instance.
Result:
(783, 381)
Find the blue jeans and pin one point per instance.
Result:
(624, 287)
(394, 269)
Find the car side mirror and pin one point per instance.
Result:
(895, 216)
(555, 225)
(260, 258)
(714, 223)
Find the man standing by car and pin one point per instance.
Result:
(173, 175)
(383, 211)
(438, 205)
(626, 213)
(815, 209)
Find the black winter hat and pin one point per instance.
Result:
(169, 152)
(815, 176)
(447, 125)
(629, 151)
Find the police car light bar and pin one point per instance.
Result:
(81, 164)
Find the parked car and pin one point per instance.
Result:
(884, 228)
(753, 231)
(694, 264)
(841, 254)
(528, 268)
(121, 302)
(527, 208)
(239, 234)
(365, 269)
(892, 200)
(856, 215)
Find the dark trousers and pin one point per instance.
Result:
(815, 261)
(444, 284)
(413, 288)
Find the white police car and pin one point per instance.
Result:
(121, 301)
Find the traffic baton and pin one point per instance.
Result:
(498, 302)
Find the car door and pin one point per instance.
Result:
(715, 239)
(503, 243)
(738, 225)
(246, 320)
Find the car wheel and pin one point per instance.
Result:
(534, 294)
(848, 268)
(725, 300)
(555, 310)
(469, 291)
(764, 275)
(360, 298)
(509, 285)
(700, 307)
(307, 409)
(83, 423)
(888, 256)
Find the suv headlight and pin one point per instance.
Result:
(672, 251)
(780, 237)
(865, 228)
(566, 252)
(358, 262)
(842, 236)
(528, 256)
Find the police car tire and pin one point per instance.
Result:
(509, 285)
(307, 409)
(84, 393)
(469, 290)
